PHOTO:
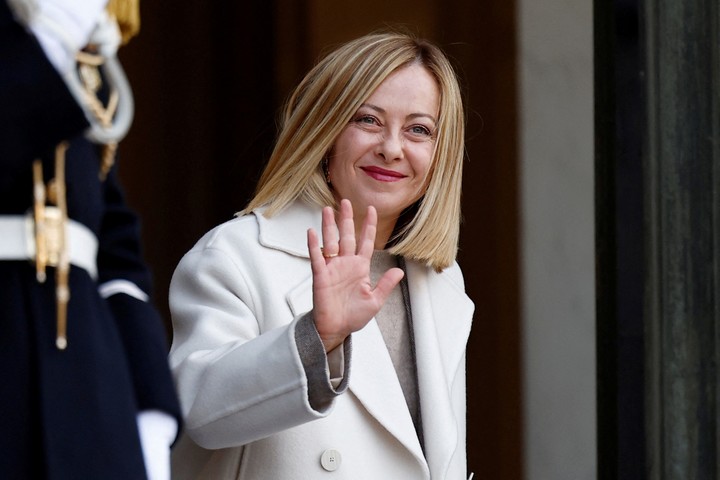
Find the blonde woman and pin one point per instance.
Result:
(323, 330)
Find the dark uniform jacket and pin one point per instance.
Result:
(72, 413)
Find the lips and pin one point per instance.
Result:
(382, 174)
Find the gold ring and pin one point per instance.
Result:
(327, 255)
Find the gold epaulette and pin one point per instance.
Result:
(127, 14)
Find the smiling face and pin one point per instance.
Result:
(384, 155)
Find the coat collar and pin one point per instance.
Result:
(287, 230)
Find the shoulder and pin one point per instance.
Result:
(241, 230)
(454, 274)
(449, 280)
(227, 243)
(249, 242)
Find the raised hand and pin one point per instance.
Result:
(344, 299)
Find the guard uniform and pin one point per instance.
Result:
(69, 413)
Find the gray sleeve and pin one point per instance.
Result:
(322, 388)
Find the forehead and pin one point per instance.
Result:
(412, 86)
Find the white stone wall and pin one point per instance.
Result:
(557, 229)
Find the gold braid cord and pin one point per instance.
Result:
(88, 64)
(127, 16)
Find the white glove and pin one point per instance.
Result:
(61, 26)
(157, 432)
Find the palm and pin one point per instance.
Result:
(344, 299)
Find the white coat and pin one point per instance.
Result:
(235, 299)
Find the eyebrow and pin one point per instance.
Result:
(411, 116)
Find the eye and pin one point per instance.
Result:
(421, 130)
(366, 119)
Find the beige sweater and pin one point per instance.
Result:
(396, 329)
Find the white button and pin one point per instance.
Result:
(330, 460)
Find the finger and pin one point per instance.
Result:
(330, 246)
(387, 282)
(367, 237)
(317, 261)
(347, 228)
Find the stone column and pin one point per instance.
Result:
(681, 165)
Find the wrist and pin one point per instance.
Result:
(332, 342)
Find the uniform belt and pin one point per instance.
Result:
(17, 242)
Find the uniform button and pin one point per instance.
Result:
(330, 460)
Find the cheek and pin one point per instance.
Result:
(339, 155)
(340, 175)
(422, 165)
(336, 168)
(423, 171)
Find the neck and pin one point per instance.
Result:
(384, 229)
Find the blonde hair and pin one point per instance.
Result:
(323, 104)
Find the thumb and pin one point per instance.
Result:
(387, 282)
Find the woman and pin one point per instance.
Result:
(293, 360)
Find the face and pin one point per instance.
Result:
(383, 156)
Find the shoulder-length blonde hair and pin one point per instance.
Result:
(323, 104)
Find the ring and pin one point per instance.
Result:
(327, 255)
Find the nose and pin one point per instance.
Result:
(390, 146)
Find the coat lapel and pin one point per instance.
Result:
(441, 321)
(375, 384)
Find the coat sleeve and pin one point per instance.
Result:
(125, 282)
(36, 109)
(236, 383)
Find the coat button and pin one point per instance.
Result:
(330, 460)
